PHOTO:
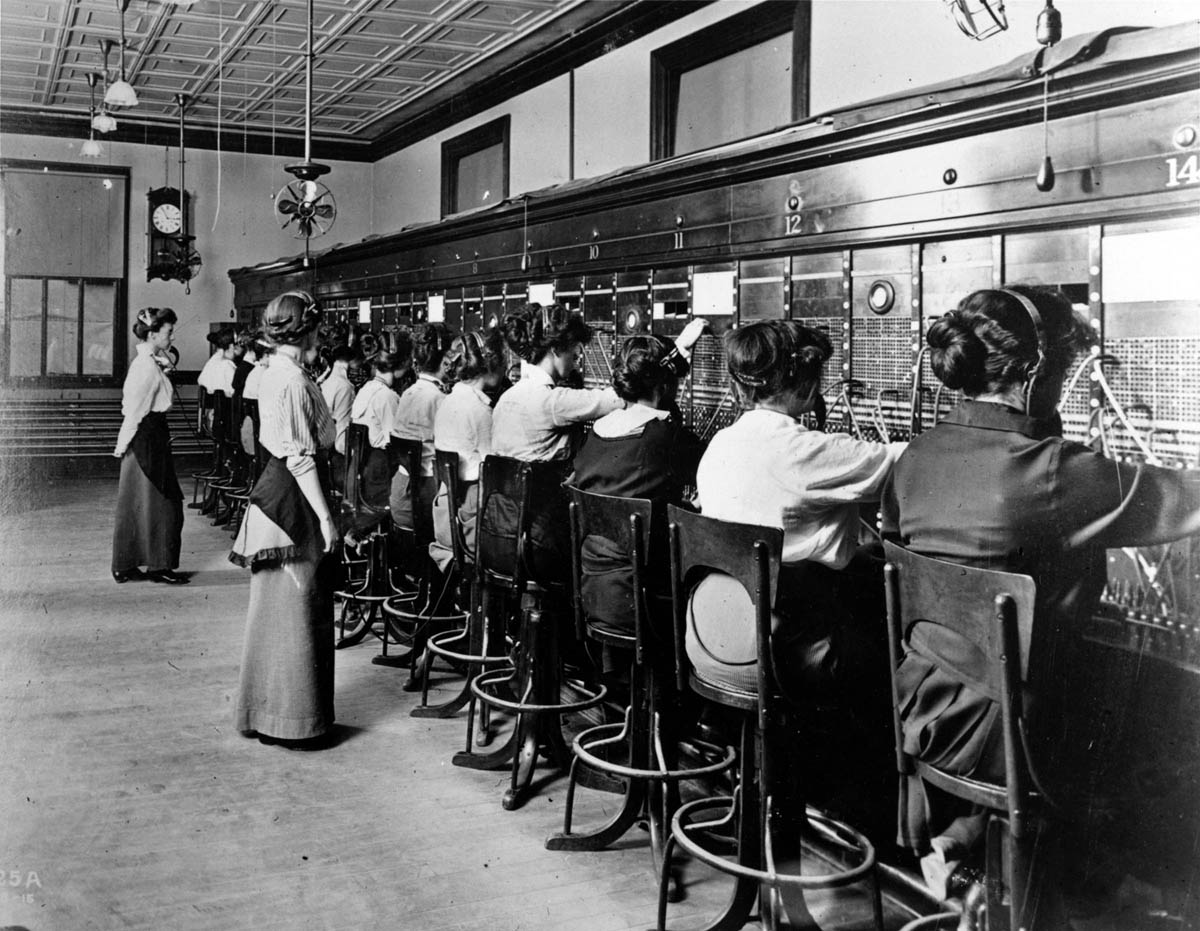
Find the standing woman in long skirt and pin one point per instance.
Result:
(149, 518)
(286, 690)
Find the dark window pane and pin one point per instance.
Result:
(480, 178)
(25, 327)
(62, 327)
(99, 300)
(736, 96)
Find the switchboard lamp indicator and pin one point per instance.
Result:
(881, 297)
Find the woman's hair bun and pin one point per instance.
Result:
(639, 369)
(534, 330)
(151, 320)
(290, 317)
(957, 354)
(431, 345)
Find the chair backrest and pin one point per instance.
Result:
(233, 422)
(989, 609)
(407, 454)
(747, 553)
(357, 441)
(203, 406)
(446, 470)
(503, 521)
(626, 523)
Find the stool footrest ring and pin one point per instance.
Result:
(679, 831)
(495, 677)
(435, 646)
(586, 740)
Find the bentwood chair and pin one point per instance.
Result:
(766, 811)
(532, 687)
(204, 428)
(477, 643)
(364, 551)
(641, 748)
(994, 612)
(410, 613)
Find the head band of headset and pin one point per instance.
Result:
(1039, 329)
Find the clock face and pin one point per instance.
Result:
(167, 218)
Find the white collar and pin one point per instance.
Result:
(536, 373)
(425, 376)
(461, 387)
(627, 422)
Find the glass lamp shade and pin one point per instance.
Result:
(120, 94)
(103, 123)
(91, 149)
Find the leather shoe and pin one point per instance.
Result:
(167, 577)
(128, 575)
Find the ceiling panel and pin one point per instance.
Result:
(386, 72)
(392, 50)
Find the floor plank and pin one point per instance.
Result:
(129, 801)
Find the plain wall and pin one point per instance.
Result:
(245, 230)
(860, 49)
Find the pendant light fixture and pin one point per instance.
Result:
(1049, 32)
(121, 93)
(91, 148)
(103, 122)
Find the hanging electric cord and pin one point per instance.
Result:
(914, 398)
(220, 90)
(879, 417)
(1119, 411)
(725, 398)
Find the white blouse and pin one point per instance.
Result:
(415, 415)
(217, 375)
(463, 425)
(768, 469)
(146, 389)
(532, 417)
(295, 420)
(375, 407)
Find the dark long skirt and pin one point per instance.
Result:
(149, 514)
(286, 688)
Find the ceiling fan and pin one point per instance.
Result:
(306, 202)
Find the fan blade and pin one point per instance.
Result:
(287, 207)
(305, 227)
(324, 211)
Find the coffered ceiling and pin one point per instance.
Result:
(385, 71)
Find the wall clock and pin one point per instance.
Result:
(169, 253)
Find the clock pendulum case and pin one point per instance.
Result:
(167, 216)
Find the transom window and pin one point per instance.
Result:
(741, 76)
(475, 168)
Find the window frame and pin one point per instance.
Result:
(497, 131)
(724, 38)
(120, 346)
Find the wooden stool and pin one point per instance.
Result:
(531, 688)
(475, 644)
(409, 612)
(766, 810)
(650, 768)
(367, 585)
(994, 612)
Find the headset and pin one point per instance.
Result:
(1034, 372)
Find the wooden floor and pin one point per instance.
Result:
(127, 799)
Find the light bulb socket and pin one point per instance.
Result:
(120, 94)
